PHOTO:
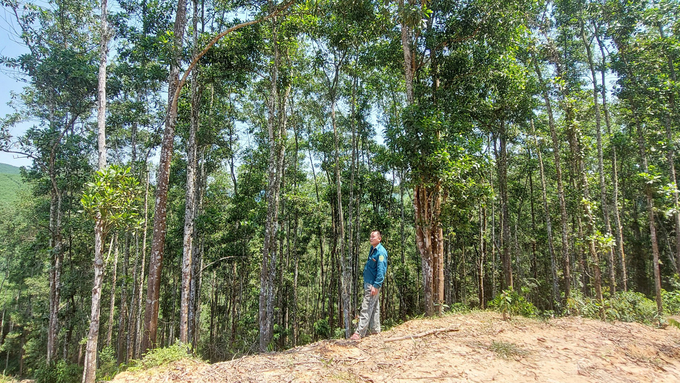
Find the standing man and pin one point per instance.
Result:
(374, 276)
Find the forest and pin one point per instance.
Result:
(207, 173)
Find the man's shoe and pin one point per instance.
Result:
(355, 336)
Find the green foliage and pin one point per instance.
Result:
(510, 302)
(321, 328)
(671, 301)
(59, 372)
(162, 356)
(625, 306)
(114, 196)
(108, 365)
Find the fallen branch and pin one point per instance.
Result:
(423, 334)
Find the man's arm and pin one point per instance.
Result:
(382, 268)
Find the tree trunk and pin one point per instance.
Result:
(427, 203)
(482, 255)
(669, 117)
(503, 188)
(548, 223)
(566, 263)
(342, 251)
(162, 184)
(138, 332)
(650, 216)
(600, 160)
(112, 305)
(276, 129)
(90, 370)
(55, 269)
(615, 178)
(89, 373)
(190, 196)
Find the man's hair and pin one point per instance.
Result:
(379, 233)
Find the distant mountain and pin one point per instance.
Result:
(10, 183)
(9, 169)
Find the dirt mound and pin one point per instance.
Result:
(476, 347)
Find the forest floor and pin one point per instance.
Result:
(472, 347)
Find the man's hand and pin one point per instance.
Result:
(374, 291)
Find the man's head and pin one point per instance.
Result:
(376, 237)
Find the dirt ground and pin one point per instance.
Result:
(474, 347)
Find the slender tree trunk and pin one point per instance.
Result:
(90, 370)
(276, 129)
(482, 254)
(123, 310)
(139, 335)
(190, 197)
(343, 253)
(600, 159)
(566, 263)
(408, 55)
(55, 269)
(503, 188)
(112, 305)
(548, 223)
(615, 178)
(669, 117)
(650, 216)
(162, 184)
(196, 266)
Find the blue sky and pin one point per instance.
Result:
(9, 47)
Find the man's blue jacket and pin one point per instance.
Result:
(376, 265)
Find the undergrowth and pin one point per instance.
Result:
(510, 302)
(624, 306)
(162, 356)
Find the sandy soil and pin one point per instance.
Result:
(475, 347)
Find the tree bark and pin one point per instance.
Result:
(600, 159)
(90, 370)
(548, 223)
(190, 196)
(669, 117)
(566, 263)
(89, 373)
(162, 184)
(114, 277)
(618, 232)
(503, 188)
(650, 216)
(276, 130)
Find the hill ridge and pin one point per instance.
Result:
(486, 348)
(9, 169)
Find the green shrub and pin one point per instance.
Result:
(162, 356)
(510, 302)
(59, 372)
(321, 328)
(108, 364)
(625, 306)
(671, 301)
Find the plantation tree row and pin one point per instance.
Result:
(209, 172)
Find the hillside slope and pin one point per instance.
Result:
(10, 184)
(475, 347)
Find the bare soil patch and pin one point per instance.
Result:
(474, 347)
